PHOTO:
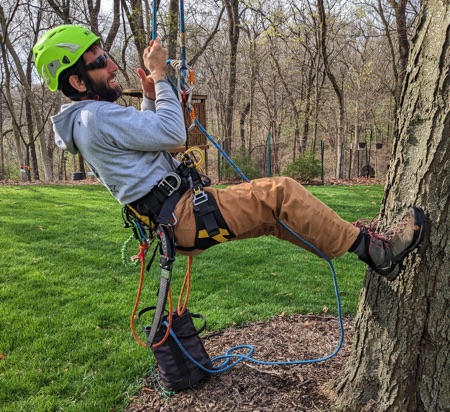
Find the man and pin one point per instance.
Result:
(127, 150)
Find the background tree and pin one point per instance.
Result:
(2, 151)
(400, 359)
(338, 86)
(396, 21)
(135, 14)
(232, 8)
(254, 57)
(9, 81)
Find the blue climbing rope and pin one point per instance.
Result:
(154, 19)
(182, 36)
(232, 356)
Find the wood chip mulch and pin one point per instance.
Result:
(260, 388)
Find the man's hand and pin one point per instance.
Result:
(155, 57)
(147, 84)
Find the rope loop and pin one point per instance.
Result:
(185, 81)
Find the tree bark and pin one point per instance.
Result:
(172, 37)
(401, 351)
(399, 8)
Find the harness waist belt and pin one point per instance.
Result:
(167, 191)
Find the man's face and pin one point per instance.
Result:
(102, 72)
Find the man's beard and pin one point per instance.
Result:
(105, 92)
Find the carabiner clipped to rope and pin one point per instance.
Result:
(184, 86)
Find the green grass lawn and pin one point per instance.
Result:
(66, 297)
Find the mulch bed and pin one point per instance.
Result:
(258, 388)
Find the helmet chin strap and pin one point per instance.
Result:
(89, 93)
(110, 95)
(93, 96)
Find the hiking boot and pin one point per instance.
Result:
(384, 252)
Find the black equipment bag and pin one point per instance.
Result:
(176, 371)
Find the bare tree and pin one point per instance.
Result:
(232, 7)
(254, 57)
(12, 62)
(338, 89)
(2, 151)
(135, 15)
(202, 48)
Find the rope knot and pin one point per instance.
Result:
(143, 248)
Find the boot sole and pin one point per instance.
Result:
(419, 220)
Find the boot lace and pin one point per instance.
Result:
(398, 229)
(373, 225)
(369, 225)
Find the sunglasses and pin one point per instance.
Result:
(99, 63)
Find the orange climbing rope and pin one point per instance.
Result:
(185, 289)
(181, 308)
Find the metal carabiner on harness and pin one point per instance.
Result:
(200, 197)
(170, 186)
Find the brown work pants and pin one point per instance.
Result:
(249, 210)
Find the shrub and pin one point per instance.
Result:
(245, 163)
(305, 167)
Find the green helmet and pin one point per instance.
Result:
(59, 49)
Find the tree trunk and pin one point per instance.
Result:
(308, 111)
(232, 7)
(172, 37)
(135, 17)
(401, 352)
(33, 162)
(81, 167)
(403, 44)
(243, 117)
(2, 152)
(322, 24)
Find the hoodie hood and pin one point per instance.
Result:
(63, 125)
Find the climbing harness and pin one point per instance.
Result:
(172, 337)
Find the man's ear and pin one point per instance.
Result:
(77, 83)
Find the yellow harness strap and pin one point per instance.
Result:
(142, 218)
(203, 234)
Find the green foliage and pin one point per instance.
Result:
(245, 163)
(66, 298)
(305, 167)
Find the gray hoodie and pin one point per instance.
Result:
(124, 147)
